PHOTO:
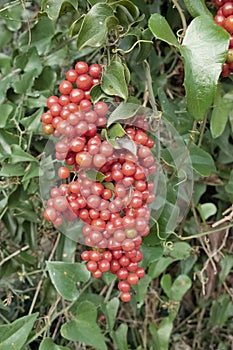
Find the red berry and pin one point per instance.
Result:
(228, 24)
(125, 297)
(95, 70)
(81, 67)
(63, 172)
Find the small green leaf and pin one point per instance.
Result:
(226, 267)
(19, 155)
(161, 30)
(119, 337)
(222, 106)
(229, 185)
(54, 8)
(48, 344)
(116, 131)
(97, 94)
(157, 267)
(206, 210)
(33, 122)
(94, 29)
(197, 8)
(124, 111)
(14, 335)
(95, 175)
(84, 327)
(141, 288)
(202, 161)
(179, 287)
(166, 283)
(5, 112)
(114, 81)
(6, 140)
(9, 170)
(111, 312)
(204, 51)
(179, 251)
(41, 35)
(65, 276)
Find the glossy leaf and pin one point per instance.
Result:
(13, 336)
(94, 29)
(203, 60)
(116, 131)
(48, 344)
(197, 8)
(65, 276)
(123, 112)
(162, 30)
(114, 81)
(41, 35)
(5, 112)
(202, 161)
(54, 8)
(84, 327)
(19, 155)
(95, 175)
(222, 106)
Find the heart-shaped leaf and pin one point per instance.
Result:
(14, 335)
(114, 80)
(65, 276)
(84, 327)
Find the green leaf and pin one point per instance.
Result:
(161, 30)
(179, 251)
(204, 51)
(97, 94)
(33, 122)
(48, 344)
(157, 267)
(84, 327)
(179, 287)
(229, 185)
(114, 81)
(221, 310)
(6, 140)
(41, 35)
(116, 131)
(222, 106)
(151, 254)
(19, 155)
(111, 312)
(31, 171)
(226, 267)
(94, 28)
(13, 336)
(25, 83)
(123, 111)
(5, 83)
(95, 175)
(119, 337)
(197, 8)
(206, 210)
(202, 161)
(5, 112)
(132, 10)
(9, 170)
(65, 276)
(141, 288)
(54, 8)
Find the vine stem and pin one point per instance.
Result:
(182, 16)
(26, 247)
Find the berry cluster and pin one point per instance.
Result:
(114, 209)
(224, 18)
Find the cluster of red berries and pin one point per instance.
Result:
(224, 18)
(115, 210)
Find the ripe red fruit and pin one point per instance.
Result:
(84, 159)
(81, 67)
(228, 24)
(76, 95)
(125, 297)
(65, 87)
(95, 70)
(50, 214)
(84, 82)
(124, 286)
(63, 172)
(133, 278)
(104, 265)
(227, 9)
(47, 129)
(101, 108)
(85, 255)
(92, 266)
(71, 75)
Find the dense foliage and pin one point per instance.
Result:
(169, 57)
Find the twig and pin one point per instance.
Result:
(14, 254)
(226, 218)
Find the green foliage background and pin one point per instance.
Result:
(167, 55)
